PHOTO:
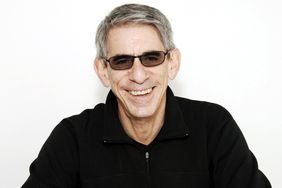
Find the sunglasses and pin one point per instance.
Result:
(148, 59)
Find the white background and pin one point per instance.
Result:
(231, 55)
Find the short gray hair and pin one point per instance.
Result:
(133, 13)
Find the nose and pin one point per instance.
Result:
(138, 72)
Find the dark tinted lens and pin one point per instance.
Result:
(121, 62)
(152, 58)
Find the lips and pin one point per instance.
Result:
(140, 92)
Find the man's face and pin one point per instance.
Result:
(140, 90)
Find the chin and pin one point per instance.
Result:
(142, 112)
(141, 115)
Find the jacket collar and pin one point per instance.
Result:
(174, 124)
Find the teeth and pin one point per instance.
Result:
(140, 92)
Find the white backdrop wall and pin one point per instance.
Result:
(231, 55)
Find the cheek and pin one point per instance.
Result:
(163, 73)
(116, 79)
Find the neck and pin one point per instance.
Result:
(143, 130)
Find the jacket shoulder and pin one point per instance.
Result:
(202, 108)
(88, 120)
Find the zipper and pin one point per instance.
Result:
(147, 158)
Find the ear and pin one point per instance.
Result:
(173, 63)
(101, 70)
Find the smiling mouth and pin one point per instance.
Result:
(140, 92)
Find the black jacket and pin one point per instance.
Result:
(199, 146)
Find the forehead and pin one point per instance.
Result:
(133, 39)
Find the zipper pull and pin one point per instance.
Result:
(147, 156)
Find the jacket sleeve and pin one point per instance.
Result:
(233, 164)
(56, 164)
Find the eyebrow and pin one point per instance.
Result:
(137, 55)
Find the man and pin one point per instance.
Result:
(144, 136)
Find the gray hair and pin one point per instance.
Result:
(137, 14)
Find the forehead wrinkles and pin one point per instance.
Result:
(133, 39)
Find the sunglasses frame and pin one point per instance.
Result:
(133, 59)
